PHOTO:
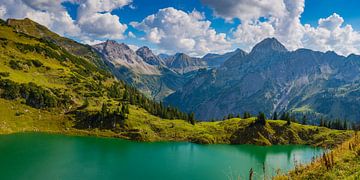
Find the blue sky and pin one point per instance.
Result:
(198, 27)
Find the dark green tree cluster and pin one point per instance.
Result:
(261, 119)
(246, 115)
(286, 116)
(336, 124)
(134, 97)
(35, 96)
(106, 118)
(4, 74)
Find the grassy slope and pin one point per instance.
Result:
(346, 164)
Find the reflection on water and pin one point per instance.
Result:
(42, 156)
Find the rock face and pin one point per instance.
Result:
(270, 78)
(123, 55)
(183, 63)
(142, 69)
(149, 57)
(216, 60)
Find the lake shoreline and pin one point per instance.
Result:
(111, 134)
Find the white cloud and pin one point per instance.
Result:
(246, 9)
(131, 34)
(133, 47)
(177, 31)
(281, 19)
(332, 35)
(93, 21)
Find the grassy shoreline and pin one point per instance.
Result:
(342, 162)
(141, 126)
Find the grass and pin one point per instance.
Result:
(345, 165)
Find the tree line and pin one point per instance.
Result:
(290, 118)
(35, 96)
(129, 94)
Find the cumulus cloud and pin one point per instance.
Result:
(246, 9)
(94, 19)
(330, 34)
(177, 31)
(131, 34)
(281, 19)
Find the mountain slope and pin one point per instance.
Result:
(183, 63)
(149, 57)
(156, 81)
(29, 27)
(270, 79)
(40, 79)
(216, 60)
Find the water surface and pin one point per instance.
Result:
(43, 156)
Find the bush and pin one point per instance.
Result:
(36, 63)
(15, 65)
(4, 74)
(11, 89)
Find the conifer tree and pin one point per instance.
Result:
(261, 118)
(275, 116)
(192, 118)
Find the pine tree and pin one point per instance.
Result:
(246, 115)
(275, 116)
(191, 118)
(288, 122)
(304, 120)
(261, 118)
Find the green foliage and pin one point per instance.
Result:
(35, 96)
(36, 63)
(336, 124)
(134, 97)
(246, 115)
(261, 119)
(11, 90)
(15, 65)
(275, 116)
(4, 74)
(104, 119)
(304, 120)
(191, 118)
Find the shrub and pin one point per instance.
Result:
(15, 65)
(36, 63)
(4, 74)
(11, 89)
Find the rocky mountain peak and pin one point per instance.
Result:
(269, 45)
(121, 54)
(148, 56)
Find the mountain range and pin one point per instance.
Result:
(269, 78)
(272, 79)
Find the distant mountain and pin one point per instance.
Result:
(122, 55)
(142, 69)
(183, 63)
(164, 56)
(270, 78)
(149, 57)
(216, 60)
